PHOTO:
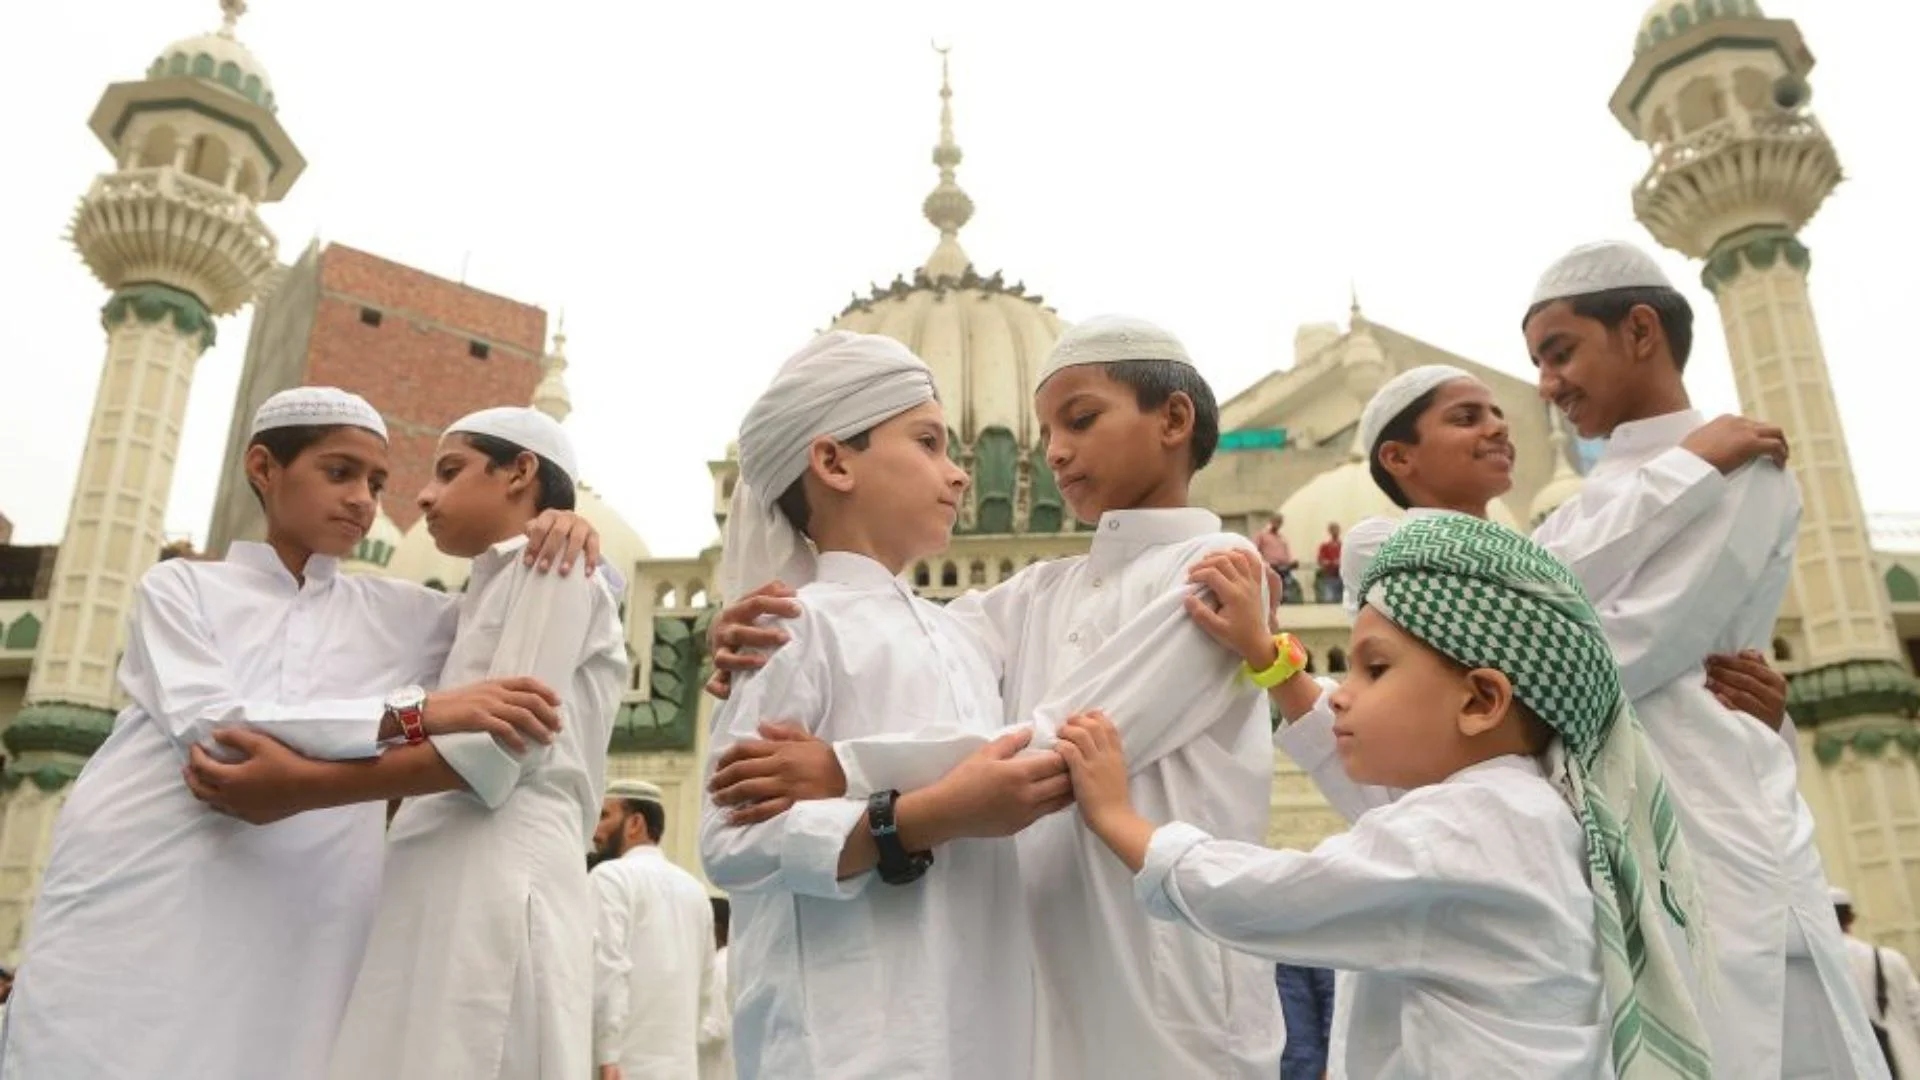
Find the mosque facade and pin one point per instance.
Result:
(1716, 90)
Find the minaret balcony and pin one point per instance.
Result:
(1734, 174)
(160, 224)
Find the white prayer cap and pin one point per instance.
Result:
(1111, 339)
(1397, 395)
(313, 406)
(840, 385)
(1840, 897)
(1598, 267)
(528, 429)
(636, 789)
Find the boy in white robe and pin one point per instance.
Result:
(1127, 420)
(877, 937)
(479, 964)
(169, 940)
(1610, 337)
(1481, 685)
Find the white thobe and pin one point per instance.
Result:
(716, 1023)
(480, 965)
(653, 959)
(1667, 602)
(1462, 909)
(169, 940)
(858, 978)
(1122, 994)
(1902, 1016)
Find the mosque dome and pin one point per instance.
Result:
(1345, 495)
(375, 551)
(986, 341)
(620, 546)
(218, 58)
(419, 560)
(1671, 18)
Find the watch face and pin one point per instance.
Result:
(407, 697)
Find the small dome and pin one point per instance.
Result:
(1564, 484)
(419, 560)
(1345, 495)
(220, 59)
(620, 546)
(1671, 18)
(375, 551)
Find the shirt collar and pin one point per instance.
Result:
(643, 851)
(1517, 762)
(1654, 433)
(853, 570)
(320, 569)
(493, 560)
(1122, 533)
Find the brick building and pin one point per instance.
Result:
(424, 350)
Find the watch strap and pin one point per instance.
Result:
(897, 865)
(1290, 661)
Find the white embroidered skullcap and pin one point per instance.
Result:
(1112, 339)
(1397, 395)
(636, 789)
(1840, 897)
(315, 406)
(1598, 267)
(840, 385)
(528, 429)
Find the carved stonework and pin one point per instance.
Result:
(666, 719)
(1759, 249)
(940, 285)
(150, 303)
(47, 742)
(1853, 688)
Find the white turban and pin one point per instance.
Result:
(316, 406)
(1599, 267)
(1111, 339)
(528, 429)
(840, 385)
(1397, 395)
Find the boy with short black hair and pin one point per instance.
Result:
(1610, 337)
(1126, 419)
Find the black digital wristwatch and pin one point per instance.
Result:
(898, 866)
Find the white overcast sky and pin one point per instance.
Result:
(701, 186)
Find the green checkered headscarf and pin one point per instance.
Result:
(1487, 597)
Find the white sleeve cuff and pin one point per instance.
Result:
(1309, 740)
(1153, 885)
(816, 834)
(902, 762)
(488, 768)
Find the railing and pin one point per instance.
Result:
(1697, 145)
(205, 196)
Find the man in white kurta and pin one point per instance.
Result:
(854, 977)
(653, 954)
(217, 915)
(1887, 984)
(480, 963)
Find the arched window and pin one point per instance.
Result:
(977, 573)
(1336, 661)
(922, 575)
(949, 576)
(1781, 650)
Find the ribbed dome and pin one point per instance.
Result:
(419, 560)
(218, 58)
(1564, 485)
(620, 546)
(985, 343)
(1671, 18)
(375, 551)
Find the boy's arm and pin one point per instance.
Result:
(174, 672)
(1604, 540)
(543, 636)
(611, 965)
(1664, 617)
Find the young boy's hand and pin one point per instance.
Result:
(737, 640)
(512, 710)
(762, 777)
(562, 535)
(1745, 682)
(1098, 764)
(1236, 614)
(264, 786)
(998, 792)
(1728, 442)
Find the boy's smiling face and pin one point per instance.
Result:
(1463, 452)
(1590, 373)
(1106, 452)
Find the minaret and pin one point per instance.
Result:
(173, 234)
(1719, 93)
(948, 207)
(551, 395)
